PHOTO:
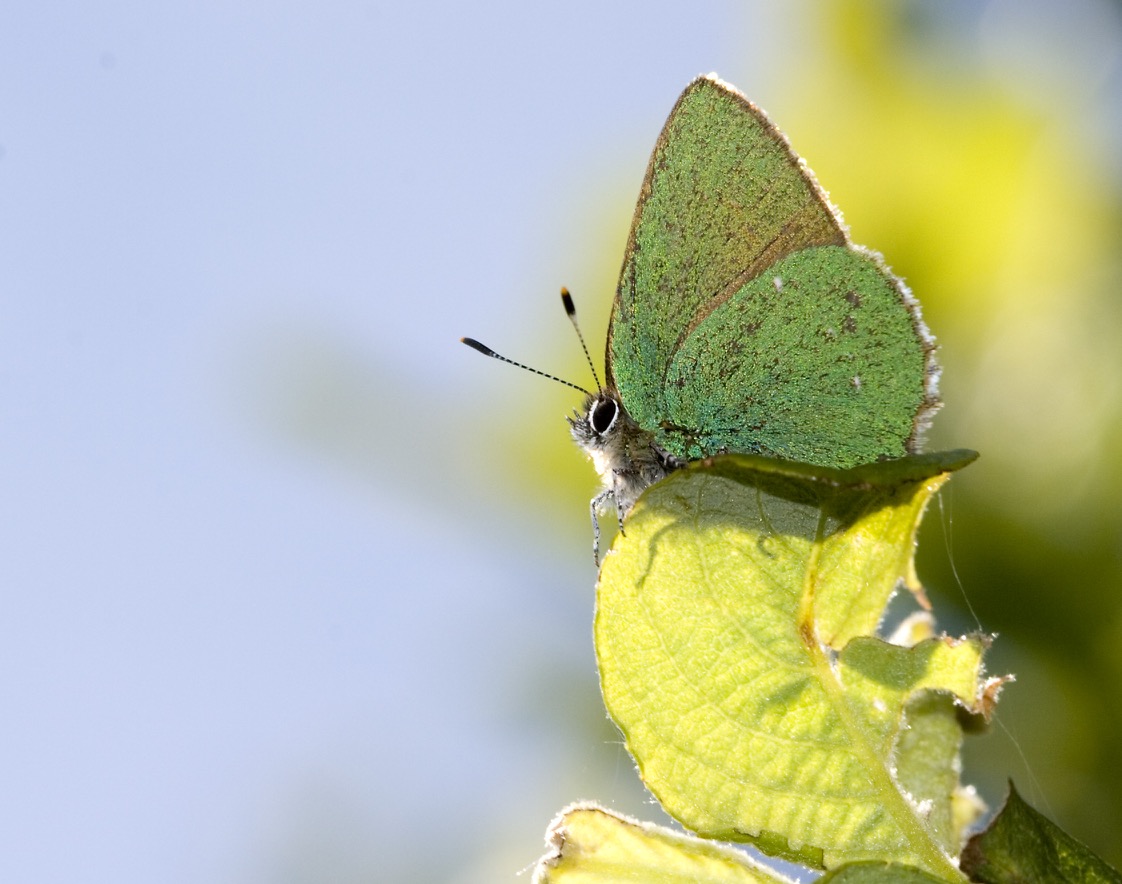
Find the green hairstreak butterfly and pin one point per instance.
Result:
(745, 320)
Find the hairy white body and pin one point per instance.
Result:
(623, 453)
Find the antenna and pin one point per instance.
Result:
(487, 351)
(571, 311)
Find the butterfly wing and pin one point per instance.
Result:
(818, 360)
(694, 346)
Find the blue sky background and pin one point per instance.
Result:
(294, 586)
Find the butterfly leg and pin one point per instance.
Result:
(596, 505)
(619, 512)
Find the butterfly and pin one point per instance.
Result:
(745, 320)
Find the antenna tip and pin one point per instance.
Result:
(475, 345)
(567, 300)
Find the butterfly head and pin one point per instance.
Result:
(623, 453)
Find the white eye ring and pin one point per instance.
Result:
(602, 415)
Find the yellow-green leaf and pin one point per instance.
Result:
(592, 845)
(735, 631)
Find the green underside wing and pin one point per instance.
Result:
(745, 320)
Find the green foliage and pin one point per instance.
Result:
(592, 845)
(877, 873)
(1023, 845)
(735, 632)
(737, 637)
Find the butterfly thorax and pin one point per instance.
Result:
(623, 453)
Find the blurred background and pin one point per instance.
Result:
(297, 588)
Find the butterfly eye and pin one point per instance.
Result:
(602, 415)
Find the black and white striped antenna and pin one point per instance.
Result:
(571, 312)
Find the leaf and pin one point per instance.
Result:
(735, 631)
(592, 845)
(926, 755)
(877, 873)
(1024, 845)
